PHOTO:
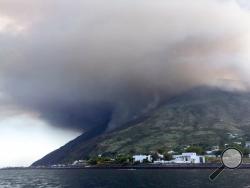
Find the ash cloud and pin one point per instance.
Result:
(94, 63)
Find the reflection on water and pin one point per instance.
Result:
(120, 178)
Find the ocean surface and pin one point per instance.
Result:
(76, 178)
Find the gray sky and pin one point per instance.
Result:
(74, 65)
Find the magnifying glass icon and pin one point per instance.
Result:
(231, 158)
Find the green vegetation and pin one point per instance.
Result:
(123, 159)
(99, 160)
(200, 122)
(196, 149)
(200, 118)
(119, 159)
(168, 157)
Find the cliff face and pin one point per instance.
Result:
(201, 116)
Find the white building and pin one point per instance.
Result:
(141, 158)
(209, 152)
(79, 162)
(171, 152)
(215, 148)
(160, 156)
(188, 158)
(159, 161)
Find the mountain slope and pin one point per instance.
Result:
(200, 116)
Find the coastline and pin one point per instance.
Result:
(130, 167)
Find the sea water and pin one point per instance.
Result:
(156, 178)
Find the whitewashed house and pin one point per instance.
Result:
(215, 148)
(141, 158)
(160, 161)
(188, 158)
(160, 156)
(79, 162)
(209, 152)
(171, 152)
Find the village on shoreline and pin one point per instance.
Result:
(190, 157)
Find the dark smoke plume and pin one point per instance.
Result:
(82, 64)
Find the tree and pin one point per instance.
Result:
(168, 157)
(123, 159)
(93, 161)
(178, 149)
(160, 150)
(246, 152)
(155, 156)
(196, 149)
